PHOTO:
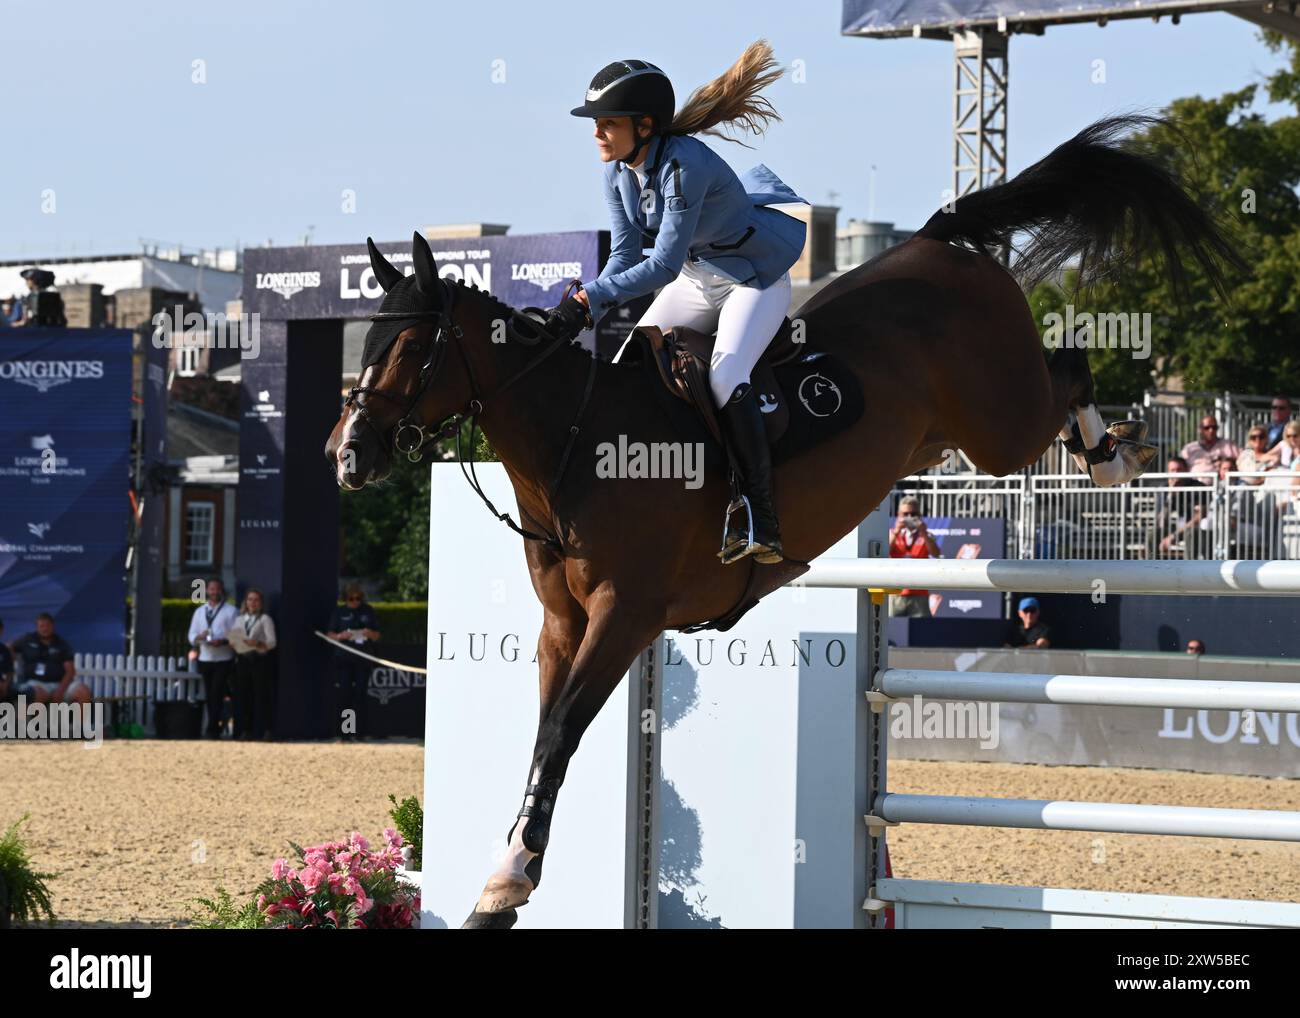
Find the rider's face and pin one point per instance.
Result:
(614, 136)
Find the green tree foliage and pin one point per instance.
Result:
(1245, 168)
(386, 525)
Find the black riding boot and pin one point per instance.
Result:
(742, 424)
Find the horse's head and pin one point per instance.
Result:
(398, 395)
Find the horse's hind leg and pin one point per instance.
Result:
(577, 679)
(1109, 455)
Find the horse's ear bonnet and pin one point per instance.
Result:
(403, 300)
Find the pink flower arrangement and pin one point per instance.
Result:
(340, 885)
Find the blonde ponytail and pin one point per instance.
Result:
(732, 98)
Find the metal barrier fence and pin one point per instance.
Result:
(1173, 418)
(1158, 516)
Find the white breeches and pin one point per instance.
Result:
(744, 317)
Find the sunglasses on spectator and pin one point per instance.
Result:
(1209, 427)
(1257, 436)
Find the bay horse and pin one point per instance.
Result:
(937, 333)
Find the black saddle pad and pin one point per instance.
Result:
(822, 397)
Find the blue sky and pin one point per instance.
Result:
(303, 101)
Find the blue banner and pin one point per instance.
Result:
(964, 537)
(65, 438)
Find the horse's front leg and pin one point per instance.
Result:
(570, 701)
(520, 870)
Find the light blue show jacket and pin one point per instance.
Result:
(700, 210)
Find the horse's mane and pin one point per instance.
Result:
(501, 307)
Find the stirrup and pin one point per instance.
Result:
(739, 542)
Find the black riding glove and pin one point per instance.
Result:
(568, 318)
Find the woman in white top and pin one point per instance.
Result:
(1286, 455)
(253, 637)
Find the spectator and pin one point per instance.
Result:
(11, 312)
(1195, 646)
(1256, 505)
(209, 635)
(355, 624)
(46, 672)
(909, 538)
(42, 306)
(1287, 452)
(253, 639)
(1256, 457)
(1030, 631)
(1203, 455)
(8, 692)
(1182, 500)
(1281, 414)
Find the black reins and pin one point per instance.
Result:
(410, 437)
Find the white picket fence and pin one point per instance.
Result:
(143, 679)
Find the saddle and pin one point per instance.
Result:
(682, 357)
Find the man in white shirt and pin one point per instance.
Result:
(209, 631)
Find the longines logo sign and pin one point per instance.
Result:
(286, 284)
(545, 274)
(45, 375)
(386, 683)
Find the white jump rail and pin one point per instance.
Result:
(1063, 576)
(1090, 690)
(988, 905)
(1105, 817)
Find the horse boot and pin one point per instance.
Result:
(506, 892)
(746, 435)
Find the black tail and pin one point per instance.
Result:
(1093, 198)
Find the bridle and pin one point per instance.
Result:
(410, 435)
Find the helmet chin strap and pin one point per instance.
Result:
(627, 159)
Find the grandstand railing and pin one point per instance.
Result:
(1177, 516)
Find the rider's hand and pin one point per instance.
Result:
(569, 317)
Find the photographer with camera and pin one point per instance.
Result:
(909, 538)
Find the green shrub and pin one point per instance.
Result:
(408, 818)
(29, 898)
(224, 914)
(399, 622)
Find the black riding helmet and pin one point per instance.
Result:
(630, 88)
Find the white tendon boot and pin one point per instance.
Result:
(1110, 455)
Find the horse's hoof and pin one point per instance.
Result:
(1128, 431)
(502, 894)
(490, 920)
(1138, 455)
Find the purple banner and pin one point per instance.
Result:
(335, 281)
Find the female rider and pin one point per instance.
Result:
(721, 257)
